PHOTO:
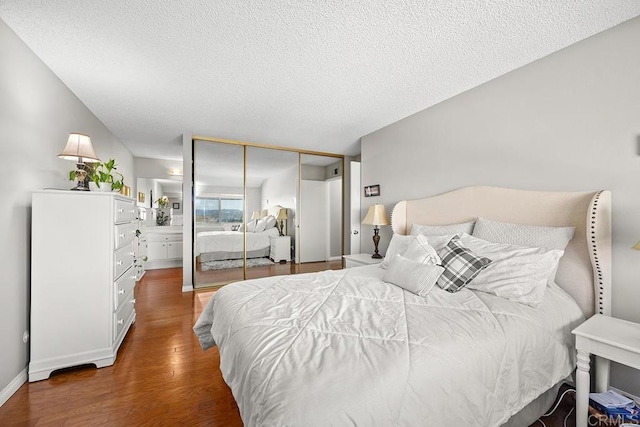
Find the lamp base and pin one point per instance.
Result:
(376, 240)
(81, 176)
(80, 187)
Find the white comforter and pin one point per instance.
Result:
(232, 241)
(345, 348)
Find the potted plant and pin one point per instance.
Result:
(163, 212)
(106, 177)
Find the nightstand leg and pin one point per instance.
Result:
(582, 389)
(602, 374)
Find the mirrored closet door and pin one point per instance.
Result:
(272, 179)
(219, 213)
(261, 211)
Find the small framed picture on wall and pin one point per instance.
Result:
(372, 190)
(176, 206)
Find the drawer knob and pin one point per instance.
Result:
(133, 301)
(120, 321)
(120, 210)
(119, 263)
(121, 291)
(122, 235)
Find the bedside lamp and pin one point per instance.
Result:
(80, 150)
(255, 215)
(376, 216)
(282, 215)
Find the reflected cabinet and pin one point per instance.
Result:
(259, 211)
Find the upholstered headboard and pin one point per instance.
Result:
(585, 268)
(272, 210)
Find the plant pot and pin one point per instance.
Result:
(104, 187)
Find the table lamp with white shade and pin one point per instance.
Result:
(282, 216)
(376, 216)
(80, 150)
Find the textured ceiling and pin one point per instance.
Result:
(309, 74)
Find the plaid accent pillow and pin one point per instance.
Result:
(460, 264)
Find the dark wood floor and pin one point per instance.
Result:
(161, 377)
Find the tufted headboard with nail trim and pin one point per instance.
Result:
(584, 271)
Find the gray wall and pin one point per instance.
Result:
(567, 122)
(37, 113)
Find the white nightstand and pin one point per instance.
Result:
(609, 339)
(357, 260)
(280, 248)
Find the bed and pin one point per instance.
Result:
(222, 245)
(348, 348)
(227, 245)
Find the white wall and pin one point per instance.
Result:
(282, 189)
(156, 168)
(37, 113)
(567, 122)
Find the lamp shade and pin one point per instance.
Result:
(255, 215)
(376, 216)
(636, 246)
(282, 214)
(79, 149)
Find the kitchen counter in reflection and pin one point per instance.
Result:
(162, 229)
(164, 246)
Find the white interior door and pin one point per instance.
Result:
(313, 221)
(355, 207)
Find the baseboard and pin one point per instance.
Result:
(624, 393)
(13, 386)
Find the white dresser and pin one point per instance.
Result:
(82, 278)
(280, 250)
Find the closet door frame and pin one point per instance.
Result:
(246, 145)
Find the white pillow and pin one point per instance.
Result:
(270, 222)
(260, 225)
(534, 236)
(251, 226)
(419, 250)
(411, 275)
(398, 245)
(439, 242)
(441, 230)
(517, 273)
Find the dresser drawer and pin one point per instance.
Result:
(123, 260)
(121, 317)
(124, 234)
(122, 287)
(125, 211)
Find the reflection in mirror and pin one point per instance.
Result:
(320, 209)
(159, 237)
(219, 206)
(273, 175)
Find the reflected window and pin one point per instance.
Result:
(219, 209)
